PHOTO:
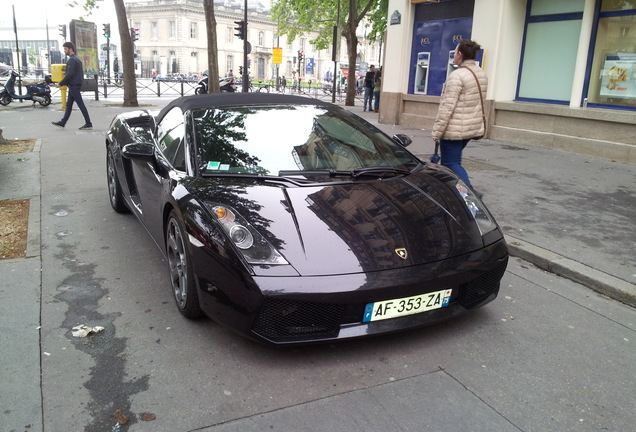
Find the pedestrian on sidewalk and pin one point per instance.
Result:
(73, 78)
(460, 116)
(377, 88)
(116, 70)
(368, 88)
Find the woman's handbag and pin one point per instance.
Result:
(436, 158)
(481, 98)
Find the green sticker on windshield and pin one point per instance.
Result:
(213, 165)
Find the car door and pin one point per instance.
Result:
(156, 180)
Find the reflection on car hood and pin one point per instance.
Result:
(360, 226)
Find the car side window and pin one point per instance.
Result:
(171, 134)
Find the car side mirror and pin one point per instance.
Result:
(402, 139)
(139, 151)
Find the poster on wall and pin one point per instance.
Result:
(84, 36)
(618, 76)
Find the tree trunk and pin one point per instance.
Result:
(213, 63)
(127, 56)
(350, 36)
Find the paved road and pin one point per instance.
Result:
(547, 355)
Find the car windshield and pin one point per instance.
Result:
(289, 140)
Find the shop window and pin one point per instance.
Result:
(617, 5)
(550, 7)
(613, 72)
(437, 29)
(551, 43)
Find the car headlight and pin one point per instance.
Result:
(477, 209)
(254, 247)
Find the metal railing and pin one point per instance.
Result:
(148, 88)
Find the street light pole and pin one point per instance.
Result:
(334, 57)
(246, 76)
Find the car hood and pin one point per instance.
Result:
(354, 227)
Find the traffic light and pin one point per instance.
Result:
(62, 30)
(301, 56)
(134, 34)
(107, 31)
(241, 28)
(240, 70)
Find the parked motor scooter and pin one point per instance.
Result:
(39, 92)
(226, 84)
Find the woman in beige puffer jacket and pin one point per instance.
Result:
(460, 115)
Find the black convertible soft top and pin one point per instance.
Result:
(213, 100)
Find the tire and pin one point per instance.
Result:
(47, 101)
(5, 99)
(182, 280)
(115, 194)
(200, 90)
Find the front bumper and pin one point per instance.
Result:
(318, 309)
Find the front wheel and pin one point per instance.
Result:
(5, 99)
(46, 101)
(200, 90)
(115, 194)
(181, 274)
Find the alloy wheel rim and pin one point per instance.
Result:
(112, 185)
(178, 263)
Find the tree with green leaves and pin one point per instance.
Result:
(297, 17)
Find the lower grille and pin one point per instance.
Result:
(483, 286)
(284, 320)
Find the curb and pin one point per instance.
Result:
(34, 243)
(602, 283)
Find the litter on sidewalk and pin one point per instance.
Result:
(82, 330)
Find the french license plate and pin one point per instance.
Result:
(406, 306)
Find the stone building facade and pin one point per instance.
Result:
(172, 39)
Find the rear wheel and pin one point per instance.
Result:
(181, 274)
(46, 101)
(115, 194)
(5, 99)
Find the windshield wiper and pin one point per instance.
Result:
(377, 171)
(330, 173)
(262, 177)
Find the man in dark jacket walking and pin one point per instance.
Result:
(73, 78)
(368, 88)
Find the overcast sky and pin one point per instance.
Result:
(30, 13)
